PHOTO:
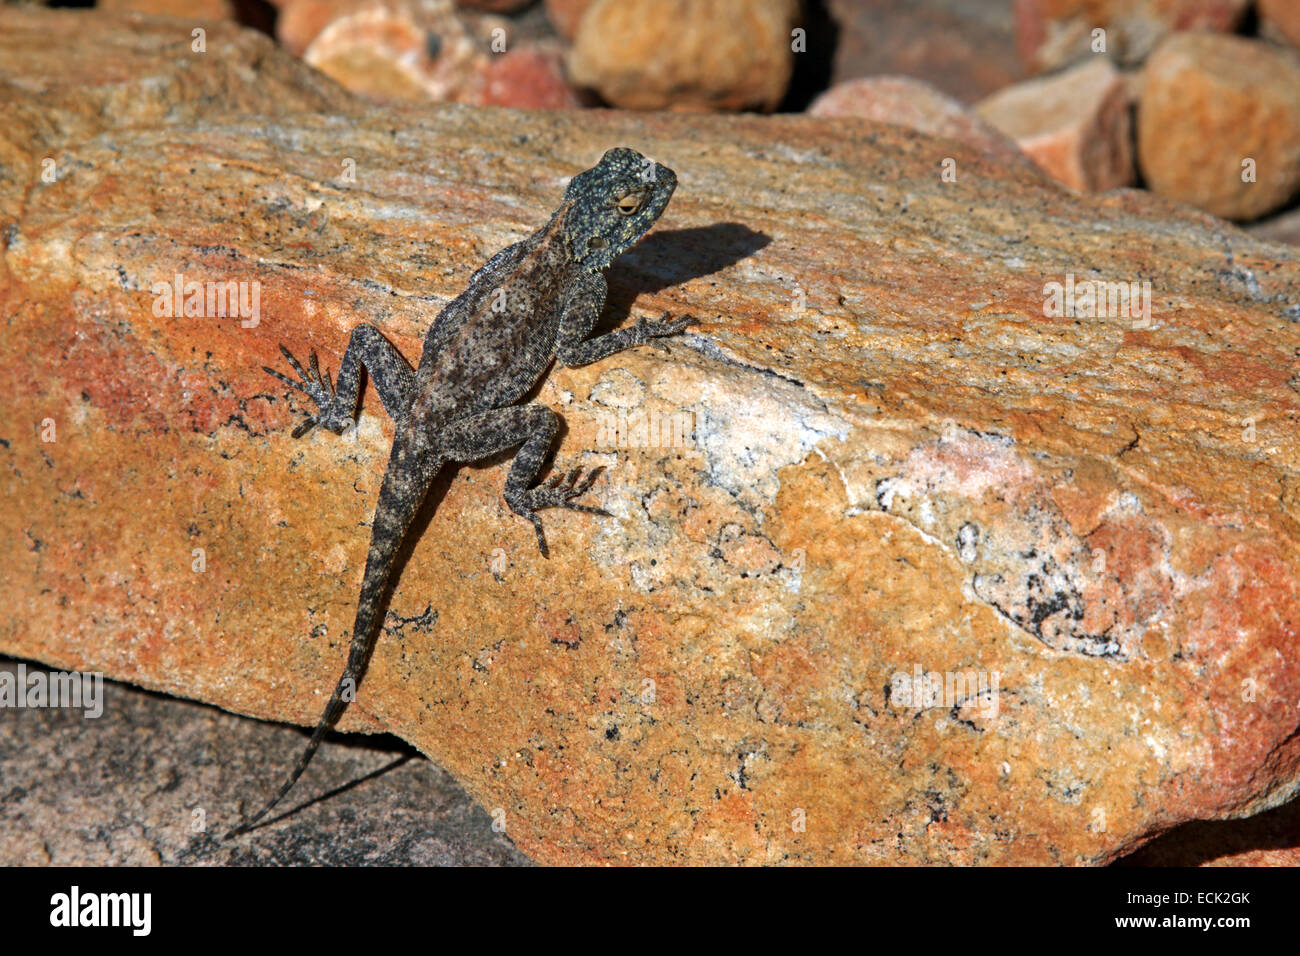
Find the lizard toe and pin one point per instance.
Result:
(588, 481)
(286, 379)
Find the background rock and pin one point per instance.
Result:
(962, 47)
(189, 9)
(565, 14)
(427, 50)
(917, 105)
(1074, 124)
(708, 55)
(405, 50)
(892, 459)
(301, 21)
(1281, 228)
(1281, 18)
(529, 77)
(1053, 33)
(46, 104)
(495, 6)
(1208, 104)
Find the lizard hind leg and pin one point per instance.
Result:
(532, 426)
(336, 404)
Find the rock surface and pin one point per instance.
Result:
(1053, 33)
(148, 782)
(1219, 124)
(366, 802)
(917, 105)
(704, 55)
(878, 456)
(1074, 124)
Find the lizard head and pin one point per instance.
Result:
(614, 204)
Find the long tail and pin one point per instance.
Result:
(406, 481)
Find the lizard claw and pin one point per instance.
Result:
(317, 386)
(559, 491)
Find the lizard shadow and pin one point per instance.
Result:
(671, 257)
(337, 737)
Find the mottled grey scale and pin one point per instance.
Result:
(476, 363)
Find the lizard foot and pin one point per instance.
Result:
(557, 492)
(317, 386)
(647, 330)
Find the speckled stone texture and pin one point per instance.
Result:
(878, 456)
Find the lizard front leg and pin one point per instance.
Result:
(482, 435)
(337, 406)
(581, 311)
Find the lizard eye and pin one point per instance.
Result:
(629, 204)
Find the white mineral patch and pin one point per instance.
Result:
(750, 425)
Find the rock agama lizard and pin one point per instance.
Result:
(533, 302)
